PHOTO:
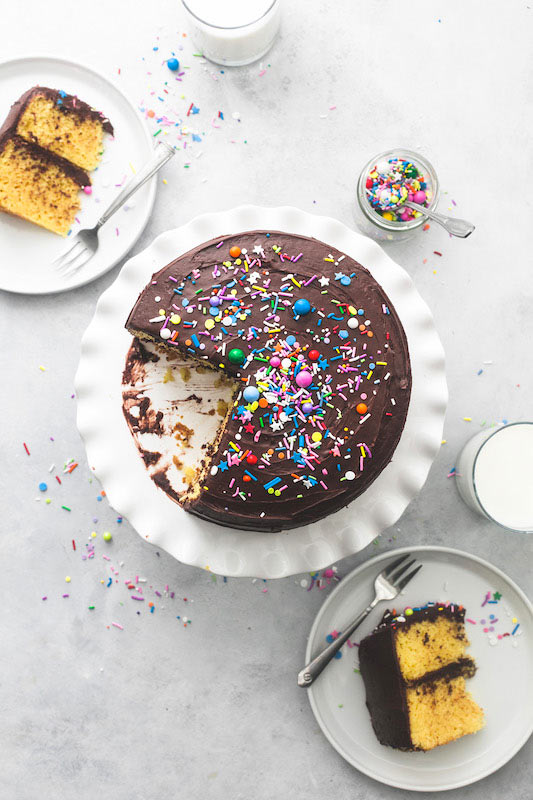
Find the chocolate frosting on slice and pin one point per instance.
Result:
(430, 612)
(385, 689)
(77, 174)
(66, 102)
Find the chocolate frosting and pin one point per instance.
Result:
(385, 690)
(66, 103)
(429, 612)
(77, 174)
(294, 478)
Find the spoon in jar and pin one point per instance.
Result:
(456, 227)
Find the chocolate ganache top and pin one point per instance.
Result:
(66, 103)
(321, 365)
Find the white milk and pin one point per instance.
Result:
(233, 32)
(495, 475)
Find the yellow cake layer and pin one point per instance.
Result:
(36, 190)
(77, 139)
(441, 712)
(426, 646)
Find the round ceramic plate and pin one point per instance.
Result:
(502, 684)
(28, 250)
(112, 452)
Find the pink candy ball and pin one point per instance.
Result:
(304, 379)
(405, 216)
(420, 197)
(274, 361)
(88, 189)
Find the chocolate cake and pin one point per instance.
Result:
(47, 143)
(414, 669)
(320, 369)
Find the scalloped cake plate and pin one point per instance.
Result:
(28, 250)
(502, 684)
(113, 454)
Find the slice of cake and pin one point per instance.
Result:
(61, 123)
(37, 185)
(47, 143)
(414, 667)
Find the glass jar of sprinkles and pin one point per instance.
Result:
(384, 183)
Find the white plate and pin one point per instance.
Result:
(27, 250)
(502, 684)
(113, 454)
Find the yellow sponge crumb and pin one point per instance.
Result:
(35, 189)
(68, 135)
(424, 647)
(441, 712)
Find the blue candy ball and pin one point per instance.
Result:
(251, 394)
(345, 281)
(173, 64)
(43, 487)
(290, 340)
(302, 307)
(343, 334)
(214, 311)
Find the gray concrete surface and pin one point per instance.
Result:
(212, 710)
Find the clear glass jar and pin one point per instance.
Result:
(233, 32)
(372, 223)
(494, 475)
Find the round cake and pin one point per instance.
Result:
(319, 369)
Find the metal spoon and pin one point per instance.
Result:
(457, 227)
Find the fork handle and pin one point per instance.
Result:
(455, 226)
(162, 153)
(311, 672)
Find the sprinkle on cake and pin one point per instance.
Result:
(320, 366)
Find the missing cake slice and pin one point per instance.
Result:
(414, 667)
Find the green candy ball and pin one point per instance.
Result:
(106, 536)
(236, 356)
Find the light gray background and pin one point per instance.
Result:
(157, 711)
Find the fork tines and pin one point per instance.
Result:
(394, 574)
(62, 258)
(395, 564)
(404, 581)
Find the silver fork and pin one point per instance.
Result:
(387, 585)
(85, 243)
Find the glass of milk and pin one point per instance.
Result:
(233, 32)
(495, 475)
